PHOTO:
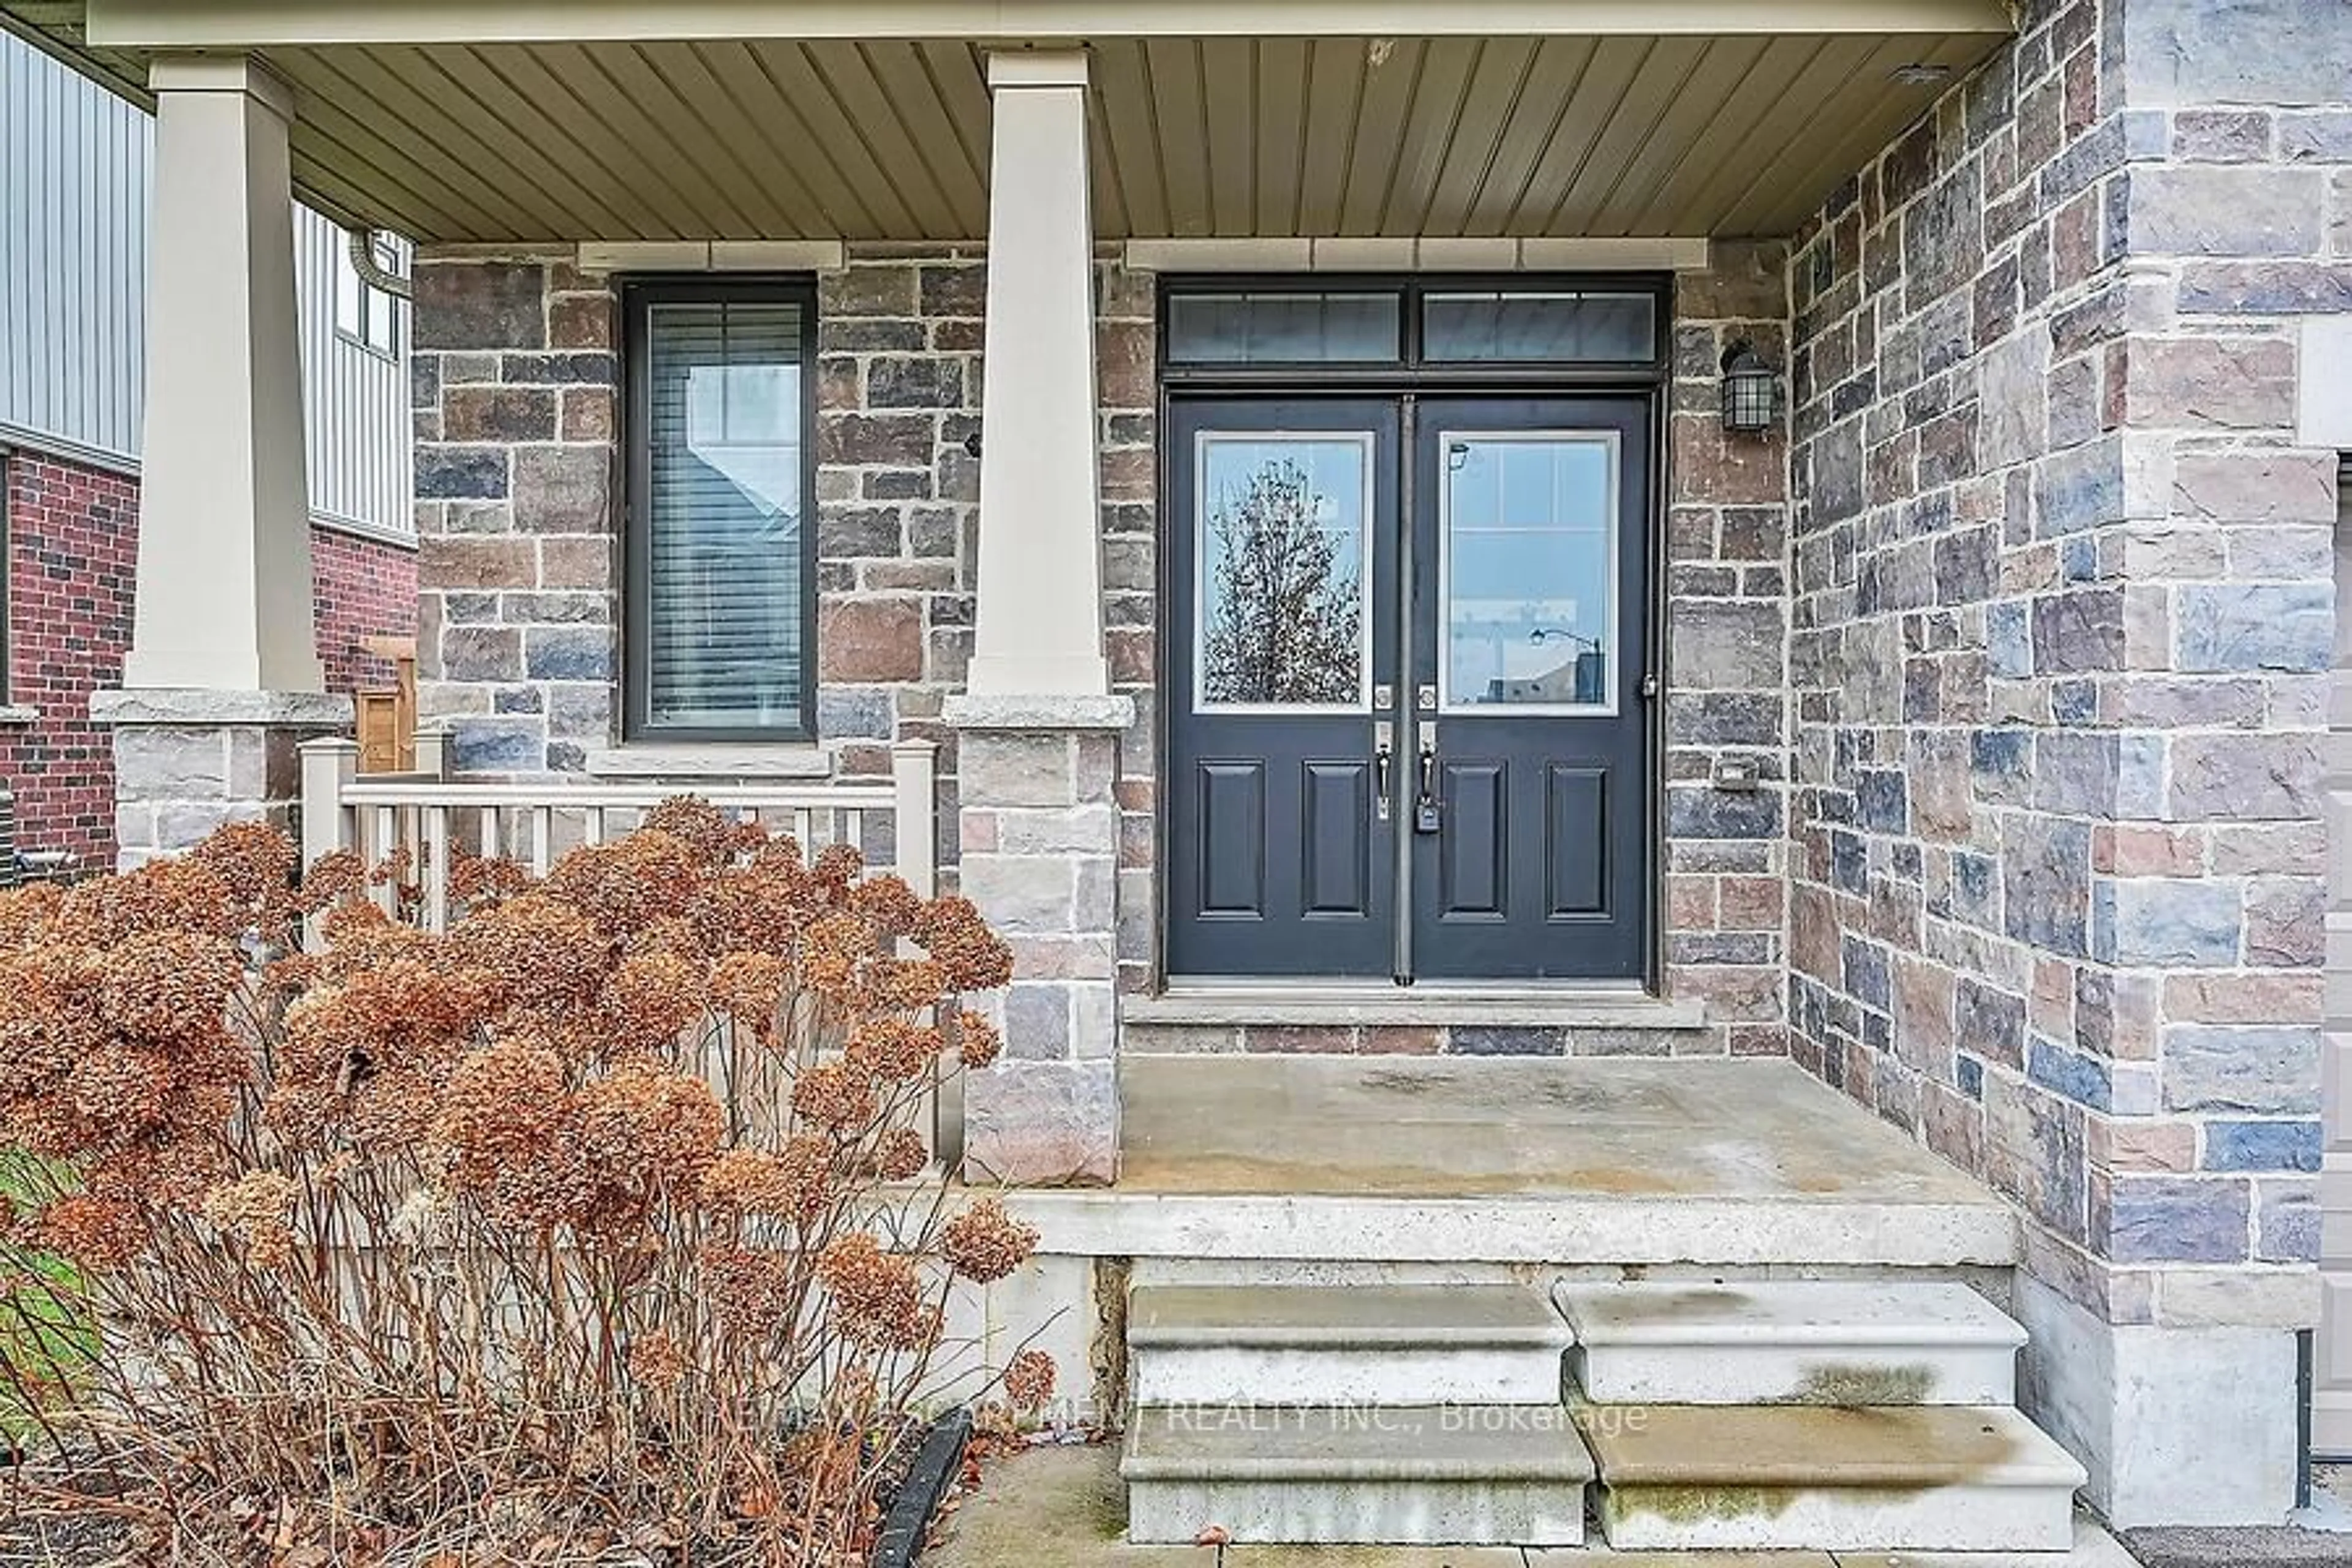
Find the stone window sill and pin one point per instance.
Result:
(712, 761)
(11, 713)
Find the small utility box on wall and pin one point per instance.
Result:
(387, 719)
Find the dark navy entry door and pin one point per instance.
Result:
(1407, 720)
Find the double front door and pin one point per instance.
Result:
(1407, 701)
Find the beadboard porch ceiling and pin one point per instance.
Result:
(492, 122)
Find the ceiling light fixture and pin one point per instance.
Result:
(1920, 75)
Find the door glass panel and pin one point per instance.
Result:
(1518, 328)
(1283, 570)
(1286, 328)
(1527, 571)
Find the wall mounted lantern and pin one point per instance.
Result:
(1751, 390)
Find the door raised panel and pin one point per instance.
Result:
(1576, 841)
(1473, 855)
(1335, 869)
(1233, 839)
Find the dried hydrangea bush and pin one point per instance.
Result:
(598, 1217)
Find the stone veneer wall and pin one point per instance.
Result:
(516, 383)
(2062, 604)
(513, 381)
(1725, 689)
(516, 380)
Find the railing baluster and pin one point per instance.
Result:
(543, 839)
(436, 867)
(387, 834)
(591, 825)
(491, 837)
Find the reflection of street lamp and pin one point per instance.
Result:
(1584, 691)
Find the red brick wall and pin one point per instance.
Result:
(359, 589)
(72, 544)
(72, 535)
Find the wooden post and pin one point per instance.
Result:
(915, 813)
(914, 826)
(432, 748)
(329, 763)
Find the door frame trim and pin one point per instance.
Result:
(1406, 378)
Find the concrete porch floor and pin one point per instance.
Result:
(1063, 1508)
(1524, 1127)
(1519, 1160)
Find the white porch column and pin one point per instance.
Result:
(224, 590)
(1038, 731)
(1038, 628)
(222, 681)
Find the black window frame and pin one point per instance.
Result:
(639, 296)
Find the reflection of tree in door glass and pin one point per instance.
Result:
(1284, 612)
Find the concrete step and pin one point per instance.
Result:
(1899, 1479)
(1480, 1344)
(1790, 1343)
(1392, 1475)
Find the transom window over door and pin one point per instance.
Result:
(720, 585)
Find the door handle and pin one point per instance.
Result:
(1383, 760)
(1426, 814)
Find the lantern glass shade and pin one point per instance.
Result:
(1751, 391)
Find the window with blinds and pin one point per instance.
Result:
(720, 579)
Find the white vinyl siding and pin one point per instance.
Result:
(73, 256)
(75, 165)
(354, 398)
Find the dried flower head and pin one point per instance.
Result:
(904, 985)
(793, 1182)
(713, 837)
(878, 1296)
(641, 1129)
(831, 1094)
(837, 866)
(181, 894)
(501, 1124)
(481, 881)
(337, 877)
(93, 1232)
(831, 952)
(887, 904)
(1029, 1380)
(984, 1243)
(254, 1208)
(901, 1155)
(650, 1000)
(628, 884)
(543, 953)
(26, 913)
(655, 1362)
(751, 986)
(751, 1290)
(255, 864)
(977, 1040)
(167, 985)
(892, 1050)
(973, 957)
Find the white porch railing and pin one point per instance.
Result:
(894, 822)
